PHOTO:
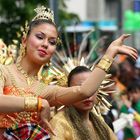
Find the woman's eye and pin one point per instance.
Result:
(52, 42)
(39, 36)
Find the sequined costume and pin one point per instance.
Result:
(11, 80)
(65, 131)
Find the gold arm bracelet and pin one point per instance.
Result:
(31, 103)
(105, 63)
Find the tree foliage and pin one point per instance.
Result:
(14, 13)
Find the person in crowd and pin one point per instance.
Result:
(131, 104)
(127, 67)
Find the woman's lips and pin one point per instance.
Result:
(42, 52)
(87, 103)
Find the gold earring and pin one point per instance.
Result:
(22, 52)
(48, 64)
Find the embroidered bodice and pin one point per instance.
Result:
(13, 83)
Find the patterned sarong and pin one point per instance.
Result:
(26, 131)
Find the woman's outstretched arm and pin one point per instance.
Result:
(10, 104)
(60, 95)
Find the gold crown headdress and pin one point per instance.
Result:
(43, 13)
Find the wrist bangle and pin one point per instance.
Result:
(107, 58)
(30, 103)
(39, 107)
(105, 63)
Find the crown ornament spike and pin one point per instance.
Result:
(43, 13)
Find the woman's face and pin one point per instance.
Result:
(87, 104)
(134, 96)
(41, 43)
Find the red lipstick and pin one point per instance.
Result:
(42, 52)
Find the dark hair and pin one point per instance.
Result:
(133, 87)
(114, 70)
(131, 61)
(83, 133)
(77, 70)
(35, 23)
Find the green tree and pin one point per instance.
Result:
(65, 17)
(14, 13)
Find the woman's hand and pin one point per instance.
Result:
(45, 116)
(117, 47)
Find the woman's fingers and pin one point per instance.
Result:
(124, 36)
(119, 41)
(130, 51)
(133, 55)
(131, 48)
(49, 127)
(45, 116)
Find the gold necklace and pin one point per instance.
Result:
(29, 79)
